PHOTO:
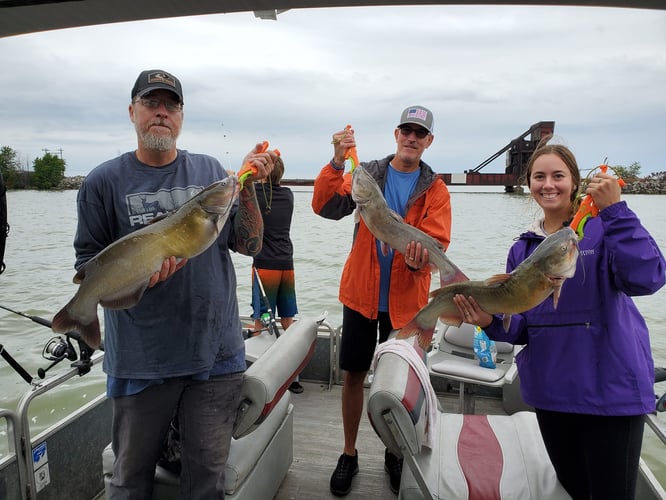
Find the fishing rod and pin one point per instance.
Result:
(56, 350)
(270, 320)
(45, 322)
(36, 319)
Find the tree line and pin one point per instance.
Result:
(47, 172)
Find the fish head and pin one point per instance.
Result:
(364, 187)
(556, 256)
(561, 253)
(217, 199)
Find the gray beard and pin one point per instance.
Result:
(154, 142)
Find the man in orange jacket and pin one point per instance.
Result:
(381, 292)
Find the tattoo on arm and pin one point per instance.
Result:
(248, 224)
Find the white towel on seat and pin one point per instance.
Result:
(406, 351)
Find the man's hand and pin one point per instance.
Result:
(342, 141)
(416, 257)
(169, 267)
(262, 161)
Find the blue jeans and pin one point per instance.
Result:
(206, 412)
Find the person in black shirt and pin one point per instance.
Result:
(275, 263)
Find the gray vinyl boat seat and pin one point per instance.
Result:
(472, 456)
(454, 359)
(262, 445)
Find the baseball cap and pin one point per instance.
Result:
(417, 115)
(154, 79)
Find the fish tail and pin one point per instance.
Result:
(90, 333)
(424, 333)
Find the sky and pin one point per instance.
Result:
(487, 73)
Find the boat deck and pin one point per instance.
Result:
(318, 443)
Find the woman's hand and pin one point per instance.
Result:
(604, 189)
(470, 312)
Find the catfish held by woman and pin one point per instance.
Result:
(534, 280)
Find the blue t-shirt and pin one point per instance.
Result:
(188, 326)
(397, 190)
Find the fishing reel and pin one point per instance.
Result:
(265, 319)
(56, 350)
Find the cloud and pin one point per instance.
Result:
(488, 73)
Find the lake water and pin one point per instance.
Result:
(39, 258)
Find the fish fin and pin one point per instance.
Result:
(90, 333)
(498, 279)
(556, 295)
(160, 217)
(436, 292)
(424, 333)
(125, 301)
(506, 321)
(457, 277)
(80, 274)
(451, 320)
(396, 216)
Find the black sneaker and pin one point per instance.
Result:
(341, 480)
(393, 465)
(296, 388)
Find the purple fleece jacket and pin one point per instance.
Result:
(592, 354)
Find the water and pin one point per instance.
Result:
(39, 258)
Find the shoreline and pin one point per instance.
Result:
(654, 184)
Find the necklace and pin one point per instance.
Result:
(268, 200)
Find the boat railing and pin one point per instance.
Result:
(653, 423)
(651, 483)
(12, 466)
(34, 472)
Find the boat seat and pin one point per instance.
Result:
(262, 445)
(454, 359)
(485, 457)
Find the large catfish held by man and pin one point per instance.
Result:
(389, 228)
(118, 276)
(529, 284)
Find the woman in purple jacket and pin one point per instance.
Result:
(586, 367)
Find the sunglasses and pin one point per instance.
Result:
(421, 133)
(152, 103)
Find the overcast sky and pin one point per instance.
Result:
(487, 73)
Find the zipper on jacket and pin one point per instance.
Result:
(586, 324)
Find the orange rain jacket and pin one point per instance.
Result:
(428, 208)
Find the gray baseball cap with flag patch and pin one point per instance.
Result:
(418, 115)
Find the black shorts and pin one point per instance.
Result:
(359, 339)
